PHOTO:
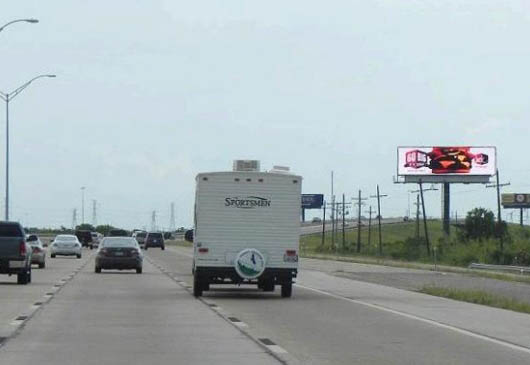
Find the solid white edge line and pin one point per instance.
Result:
(424, 320)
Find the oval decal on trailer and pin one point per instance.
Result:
(249, 263)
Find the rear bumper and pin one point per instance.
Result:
(66, 251)
(124, 263)
(219, 275)
(38, 258)
(6, 269)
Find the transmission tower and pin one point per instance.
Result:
(172, 224)
(94, 213)
(74, 219)
(153, 221)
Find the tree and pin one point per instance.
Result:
(85, 227)
(479, 224)
(104, 229)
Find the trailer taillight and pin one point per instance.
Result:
(203, 250)
(290, 256)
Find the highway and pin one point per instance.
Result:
(153, 318)
(312, 228)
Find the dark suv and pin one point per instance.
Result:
(154, 239)
(85, 237)
(15, 252)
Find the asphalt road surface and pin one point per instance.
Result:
(333, 320)
(152, 318)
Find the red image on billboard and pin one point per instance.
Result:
(445, 160)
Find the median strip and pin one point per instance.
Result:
(478, 297)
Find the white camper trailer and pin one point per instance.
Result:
(247, 228)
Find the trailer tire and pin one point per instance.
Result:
(197, 286)
(287, 290)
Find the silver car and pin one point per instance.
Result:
(67, 245)
(38, 255)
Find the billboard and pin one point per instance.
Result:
(312, 201)
(515, 200)
(447, 161)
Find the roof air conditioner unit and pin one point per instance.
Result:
(246, 165)
(280, 169)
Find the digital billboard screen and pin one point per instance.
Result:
(460, 161)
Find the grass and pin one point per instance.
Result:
(402, 249)
(478, 297)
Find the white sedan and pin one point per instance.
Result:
(67, 245)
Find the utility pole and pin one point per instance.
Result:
(172, 224)
(333, 221)
(343, 222)
(94, 213)
(332, 213)
(74, 219)
(379, 196)
(359, 204)
(82, 204)
(323, 225)
(370, 226)
(498, 185)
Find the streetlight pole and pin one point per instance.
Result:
(7, 97)
(30, 20)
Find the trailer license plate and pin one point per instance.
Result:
(16, 264)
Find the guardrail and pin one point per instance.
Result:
(508, 268)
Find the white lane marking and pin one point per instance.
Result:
(277, 349)
(424, 320)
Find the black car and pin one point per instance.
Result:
(119, 253)
(118, 233)
(154, 239)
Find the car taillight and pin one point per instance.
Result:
(22, 248)
(36, 249)
(290, 252)
(203, 250)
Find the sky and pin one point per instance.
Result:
(150, 93)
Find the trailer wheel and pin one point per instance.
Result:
(197, 286)
(287, 290)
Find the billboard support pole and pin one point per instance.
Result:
(521, 217)
(418, 216)
(499, 210)
(425, 220)
(379, 221)
(303, 215)
(323, 226)
(446, 207)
